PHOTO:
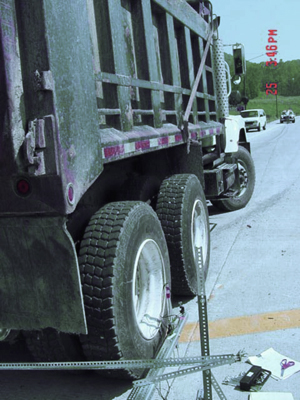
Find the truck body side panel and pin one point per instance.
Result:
(50, 44)
(71, 64)
(11, 90)
(148, 55)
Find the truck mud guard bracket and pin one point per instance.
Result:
(40, 285)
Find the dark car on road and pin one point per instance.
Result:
(287, 116)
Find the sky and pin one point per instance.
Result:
(248, 22)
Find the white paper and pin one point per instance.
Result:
(271, 359)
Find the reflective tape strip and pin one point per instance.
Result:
(132, 148)
(139, 146)
(129, 147)
(113, 151)
(142, 145)
(163, 141)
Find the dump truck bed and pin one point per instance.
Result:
(91, 84)
(83, 86)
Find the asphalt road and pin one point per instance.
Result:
(254, 271)
(253, 282)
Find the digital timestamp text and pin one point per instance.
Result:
(271, 87)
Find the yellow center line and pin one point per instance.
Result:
(245, 325)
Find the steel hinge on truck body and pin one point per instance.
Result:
(40, 149)
(34, 143)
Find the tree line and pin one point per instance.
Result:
(286, 74)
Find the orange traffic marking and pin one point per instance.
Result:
(245, 325)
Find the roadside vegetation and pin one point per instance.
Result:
(253, 87)
(268, 103)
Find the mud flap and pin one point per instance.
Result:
(40, 282)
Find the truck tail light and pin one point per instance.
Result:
(23, 187)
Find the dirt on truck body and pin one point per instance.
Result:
(115, 132)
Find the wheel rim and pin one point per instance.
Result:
(243, 175)
(148, 288)
(199, 229)
(4, 333)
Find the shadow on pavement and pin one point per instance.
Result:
(53, 385)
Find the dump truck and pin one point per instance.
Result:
(115, 136)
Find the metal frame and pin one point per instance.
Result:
(167, 68)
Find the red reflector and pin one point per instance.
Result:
(23, 187)
(71, 194)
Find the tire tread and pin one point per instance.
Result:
(97, 274)
(169, 210)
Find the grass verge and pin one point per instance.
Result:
(268, 103)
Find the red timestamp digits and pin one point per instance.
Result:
(271, 88)
(272, 48)
(271, 62)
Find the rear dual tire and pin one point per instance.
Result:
(125, 274)
(49, 345)
(182, 210)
